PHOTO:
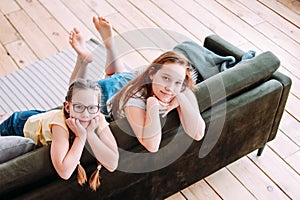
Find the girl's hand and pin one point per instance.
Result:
(77, 128)
(94, 123)
(173, 104)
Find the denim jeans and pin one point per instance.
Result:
(15, 123)
(111, 85)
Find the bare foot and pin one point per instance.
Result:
(105, 29)
(77, 42)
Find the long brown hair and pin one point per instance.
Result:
(142, 84)
(81, 175)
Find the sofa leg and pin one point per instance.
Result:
(260, 150)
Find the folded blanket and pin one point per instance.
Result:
(205, 61)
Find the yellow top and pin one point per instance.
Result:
(38, 127)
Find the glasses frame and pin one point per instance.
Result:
(88, 108)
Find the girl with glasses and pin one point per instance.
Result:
(68, 130)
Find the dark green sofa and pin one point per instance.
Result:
(242, 108)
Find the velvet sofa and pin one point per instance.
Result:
(242, 108)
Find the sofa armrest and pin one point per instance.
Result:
(286, 83)
(222, 47)
(235, 80)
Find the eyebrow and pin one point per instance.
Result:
(166, 74)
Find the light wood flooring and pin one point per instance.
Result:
(31, 30)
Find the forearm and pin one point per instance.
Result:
(105, 152)
(68, 164)
(191, 120)
(151, 136)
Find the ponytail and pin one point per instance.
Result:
(81, 175)
(95, 178)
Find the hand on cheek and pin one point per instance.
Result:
(76, 127)
(94, 123)
(173, 104)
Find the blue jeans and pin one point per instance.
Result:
(15, 123)
(111, 85)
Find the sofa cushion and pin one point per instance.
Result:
(235, 80)
(13, 146)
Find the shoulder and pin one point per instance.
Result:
(136, 101)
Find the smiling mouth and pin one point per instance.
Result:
(167, 94)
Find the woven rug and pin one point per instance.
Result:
(43, 85)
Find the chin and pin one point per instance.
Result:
(85, 123)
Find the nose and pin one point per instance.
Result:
(170, 87)
(85, 113)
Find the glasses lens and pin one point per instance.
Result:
(93, 109)
(78, 108)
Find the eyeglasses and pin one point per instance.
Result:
(79, 108)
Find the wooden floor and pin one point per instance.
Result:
(31, 30)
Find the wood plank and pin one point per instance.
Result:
(30, 32)
(283, 145)
(83, 12)
(260, 185)
(295, 82)
(282, 174)
(125, 42)
(213, 23)
(200, 190)
(254, 36)
(280, 38)
(293, 5)
(293, 161)
(290, 126)
(227, 186)
(8, 33)
(242, 12)
(101, 7)
(197, 29)
(50, 27)
(292, 106)
(141, 31)
(283, 11)
(8, 6)
(21, 53)
(273, 18)
(176, 196)
(156, 15)
(66, 17)
(266, 28)
(7, 64)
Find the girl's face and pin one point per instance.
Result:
(167, 82)
(84, 105)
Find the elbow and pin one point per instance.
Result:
(198, 133)
(151, 146)
(64, 176)
(152, 149)
(113, 165)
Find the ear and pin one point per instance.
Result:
(67, 106)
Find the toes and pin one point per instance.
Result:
(76, 30)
